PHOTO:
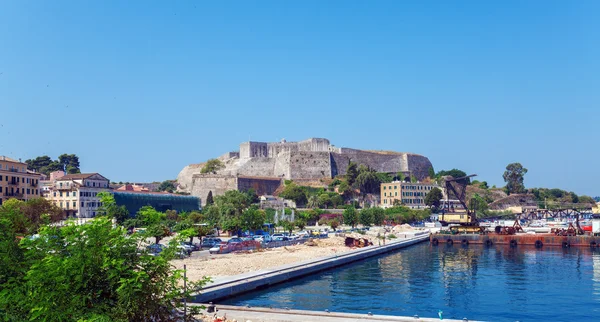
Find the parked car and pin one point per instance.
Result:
(263, 238)
(235, 240)
(182, 251)
(155, 249)
(210, 242)
(188, 248)
(216, 248)
(247, 238)
(281, 238)
(194, 247)
(275, 236)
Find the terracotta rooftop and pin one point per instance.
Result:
(76, 176)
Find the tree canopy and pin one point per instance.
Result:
(167, 186)
(433, 197)
(455, 173)
(44, 164)
(513, 176)
(212, 166)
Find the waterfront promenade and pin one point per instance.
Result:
(241, 313)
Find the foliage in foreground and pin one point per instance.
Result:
(91, 272)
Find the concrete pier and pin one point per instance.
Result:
(258, 314)
(233, 285)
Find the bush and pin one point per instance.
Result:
(392, 236)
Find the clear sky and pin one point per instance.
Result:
(139, 89)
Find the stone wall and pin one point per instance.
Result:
(257, 167)
(262, 186)
(381, 162)
(218, 184)
(309, 165)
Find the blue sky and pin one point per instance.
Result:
(140, 89)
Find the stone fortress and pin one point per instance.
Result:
(262, 166)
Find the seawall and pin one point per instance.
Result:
(233, 285)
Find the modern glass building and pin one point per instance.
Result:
(133, 201)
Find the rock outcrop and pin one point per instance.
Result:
(314, 158)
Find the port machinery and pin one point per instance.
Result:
(464, 227)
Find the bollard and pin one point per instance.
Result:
(211, 308)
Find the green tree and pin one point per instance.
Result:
(336, 200)
(287, 225)
(209, 198)
(513, 176)
(378, 216)
(313, 201)
(300, 223)
(27, 216)
(334, 224)
(368, 182)
(324, 201)
(351, 173)
(434, 197)
(252, 218)
(350, 216)
(366, 217)
(455, 173)
(431, 173)
(69, 163)
(295, 193)
(66, 276)
(586, 199)
(345, 189)
(212, 166)
(167, 186)
(38, 163)
(109, 207)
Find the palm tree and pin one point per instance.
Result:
(313, 201)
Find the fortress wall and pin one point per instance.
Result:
(253, 150)
(418, 165)
(257, 167)
(380, 162)
(229, 155)
(262, 186)
(282, 166)
(310, 165)
(218, 184)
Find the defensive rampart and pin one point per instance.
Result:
(314, 158)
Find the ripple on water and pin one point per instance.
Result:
(486, 283)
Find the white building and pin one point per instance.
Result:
(77, 194)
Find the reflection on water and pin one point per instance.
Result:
(487, 283)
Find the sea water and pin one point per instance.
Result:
(496, 283)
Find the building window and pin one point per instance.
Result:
(55, 193)
(0, 188)
(67, 193)
(383, 187)
(395, 187)
(74, 204)
(60, 193)
(396, 193)
(27, 190)
(61, 204)
(82, 204)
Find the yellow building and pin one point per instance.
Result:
(77, 194)
(16, 181)
(408, 193)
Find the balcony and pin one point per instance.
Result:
(13, 194)
(33, 184)
(13, 183)
(13, 170)
(63, 187)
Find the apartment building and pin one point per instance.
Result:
(408, 193)
(16, 181)
(77, 194)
